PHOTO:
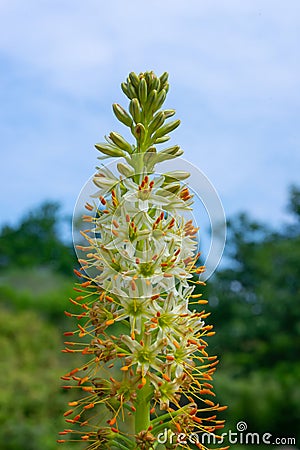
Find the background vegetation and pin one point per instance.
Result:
(255, 308)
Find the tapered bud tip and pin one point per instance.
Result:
(125, 170)
(139, 131)
(164, 78)
(169, 113)
(121, 114)
(119, 141)
(134, 79)
(177, 174)
(109, 150)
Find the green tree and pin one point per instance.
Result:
(36, 241)
(258, 294)
(294, 202)
(255, 303)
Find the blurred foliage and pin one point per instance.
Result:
(255, 305)
(35, 242)
(41, 290)
(31, 404)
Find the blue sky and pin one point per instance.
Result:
(234, 72)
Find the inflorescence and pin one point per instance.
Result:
(143, 346)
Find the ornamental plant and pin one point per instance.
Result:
(144, 367)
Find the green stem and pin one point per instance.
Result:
(119, 446)
(139, 166)
(126, 440)
(168, 415)
(142, 414)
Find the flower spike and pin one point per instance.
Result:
(145, 366)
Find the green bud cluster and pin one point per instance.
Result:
(148, 124)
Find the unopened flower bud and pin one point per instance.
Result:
(134, 79)
(167, 128)
(122, 115)
(157, 121)
(120, 141)
(125, 170)
(135, 110)
(139, 132)
(143, 91)
(177, 175)
(110, 150)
